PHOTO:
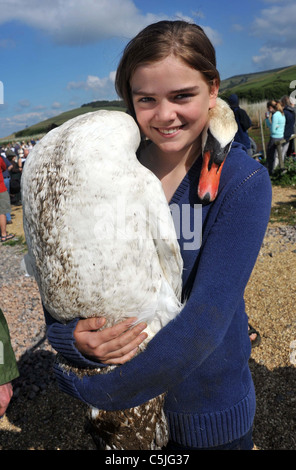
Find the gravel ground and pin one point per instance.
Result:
(40, 417)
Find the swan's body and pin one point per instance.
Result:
(101, 239)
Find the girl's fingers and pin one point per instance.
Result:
(115, 331)
(122, 360)
(122, 345)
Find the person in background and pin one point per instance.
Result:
(243, 122)
(289, 126)
(15, 177)
(8, 366)
(4, 205)
(275, 121)
(6, 176)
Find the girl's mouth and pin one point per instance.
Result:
(169, 130)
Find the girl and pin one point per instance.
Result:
(275, 120)
(169, 81)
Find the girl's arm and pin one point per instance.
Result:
(226, 262)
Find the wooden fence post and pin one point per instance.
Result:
(262, 136)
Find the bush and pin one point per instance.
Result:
(286, 176)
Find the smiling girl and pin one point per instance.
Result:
(169, 82)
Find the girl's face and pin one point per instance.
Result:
(171, 102)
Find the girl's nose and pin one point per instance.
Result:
(165, 111)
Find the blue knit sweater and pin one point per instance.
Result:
(201, 358)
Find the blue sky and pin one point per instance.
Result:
(60, 54)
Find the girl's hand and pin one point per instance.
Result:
(114, 345)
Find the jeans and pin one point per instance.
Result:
(243, 443)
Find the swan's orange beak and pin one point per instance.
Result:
(209, 178)
(213, 160)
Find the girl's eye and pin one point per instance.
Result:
(183, 96)
(145, 99)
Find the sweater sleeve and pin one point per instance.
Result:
(186, 342)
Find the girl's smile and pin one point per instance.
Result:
(169, 131)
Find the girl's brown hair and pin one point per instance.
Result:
(276, 105)
(159, 40)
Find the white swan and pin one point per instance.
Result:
(101, 239)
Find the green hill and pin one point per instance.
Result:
(256, 87)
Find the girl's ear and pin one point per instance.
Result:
(214, 90)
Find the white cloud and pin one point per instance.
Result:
(276, 25)
(82, 22)
(237, 27)
(56, 105)
(99, 87)
(19, 121)
(78, 22)
(274, 56)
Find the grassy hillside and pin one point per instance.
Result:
(254, 87)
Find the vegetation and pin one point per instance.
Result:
(286, 176)
(260, 86)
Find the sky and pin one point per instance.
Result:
(57, 55)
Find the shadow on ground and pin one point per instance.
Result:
(43, 418)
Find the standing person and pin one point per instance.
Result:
(243, 122)
(275, 120)
(4, 204)
(15, 178)
(290, 124)
(8, 366)
(169, 81)
(6, 176)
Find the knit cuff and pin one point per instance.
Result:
(61, 338)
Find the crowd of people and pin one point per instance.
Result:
(12, 160)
